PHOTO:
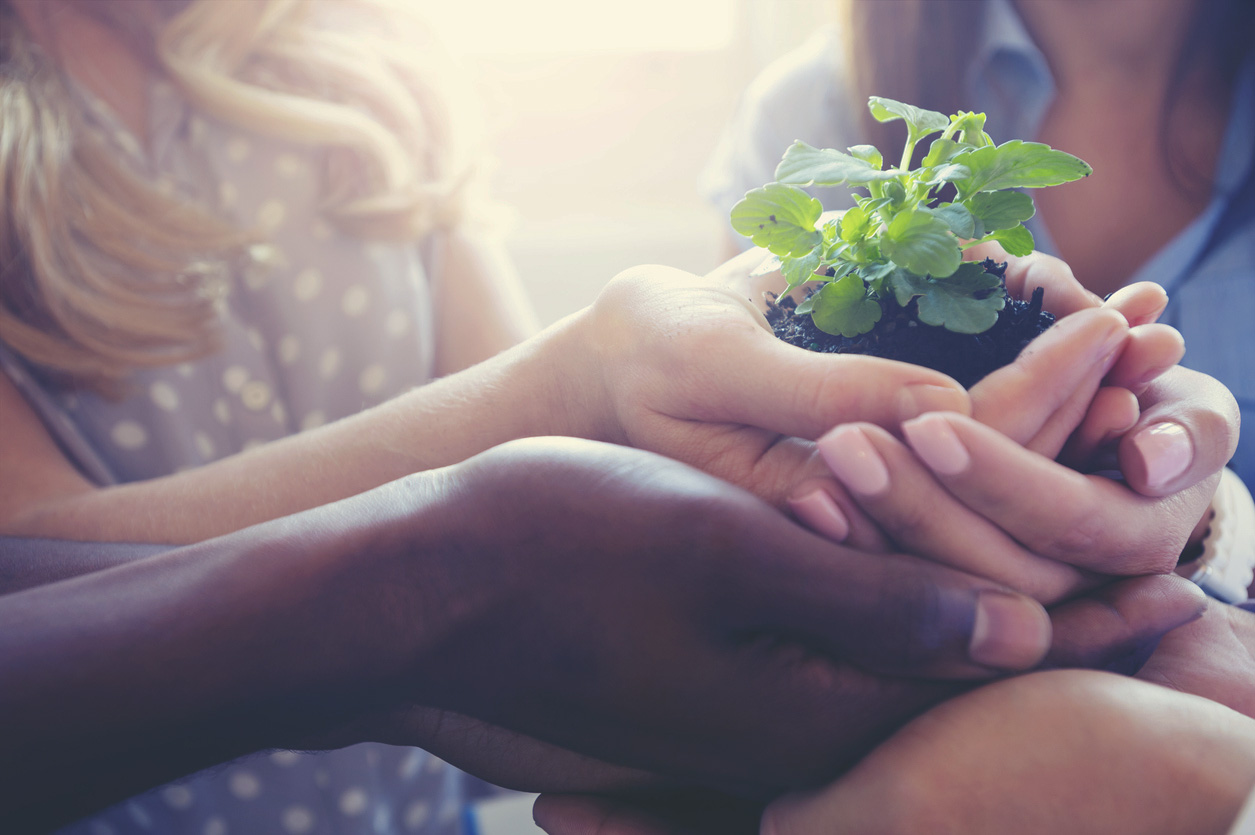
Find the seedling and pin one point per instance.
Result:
(902, 242)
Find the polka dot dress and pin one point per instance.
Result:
(319, 327)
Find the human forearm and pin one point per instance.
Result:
(540, 387)
(132, 676)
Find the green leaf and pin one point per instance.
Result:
(842, 307)
(806, 306)
(922, 243)
(971, 129)
(1017, 164)
(798, 271)
(966, 302)
(958, 218)
(1016, 240)
(1001, 209)
(855, 224)
(804, 165)
(779, 218)
(941, 151)
(896, 192)
(869, 154)
(944, 174)
(919, 122)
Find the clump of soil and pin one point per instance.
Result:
(900, 336)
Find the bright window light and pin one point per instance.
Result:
(494, 27)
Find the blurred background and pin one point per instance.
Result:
(601, 117)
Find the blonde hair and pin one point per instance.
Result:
(102, 272)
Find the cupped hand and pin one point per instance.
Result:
(983, 493)
(1212, 657)
(689, 368)
(1065, 751)
(621, 606)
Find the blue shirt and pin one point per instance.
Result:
(1208, 268)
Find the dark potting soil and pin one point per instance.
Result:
(900, 336)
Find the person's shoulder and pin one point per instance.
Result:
(807, 83)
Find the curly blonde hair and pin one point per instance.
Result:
(103, 272)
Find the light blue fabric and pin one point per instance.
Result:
(1208, 268)
(321, 327)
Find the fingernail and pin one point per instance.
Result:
(935, 442)
(1166, 452)
(1010, 632)
(913, 401)
(820, 512)
(852, 458)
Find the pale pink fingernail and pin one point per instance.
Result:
(1010, 632)
(852, 458)
(820, 512)
(935, 442)
(1166, 452)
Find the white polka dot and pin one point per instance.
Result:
(164, 395)
(215, 826)
(313, 420)
(255, 395)
(237, 149)
(321, 230)
(271, 214)
(329, 363)
(289, 349)
(186, 369)
(255, 339)
(397, 323)
(216, 289)
(353, 801)
(289, 165)
(252, 444)
(204, 445)
(263, 260)
(411, 764)
(372, 378)
(244, 785)
(234, 378)
(222, 410)
(321, 778)
(102, 828)
(129, 435)
(285, 758)
(278, 412)
(355, 300)
(372, 757)
(297, 819)
(228, 194)
(308, 284)
(416, 814)
(177, 797)
(434, 764)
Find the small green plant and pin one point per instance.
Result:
(900, 241)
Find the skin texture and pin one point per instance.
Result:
(470, 592)
(1166, 762)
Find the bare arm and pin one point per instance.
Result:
(664, 360)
